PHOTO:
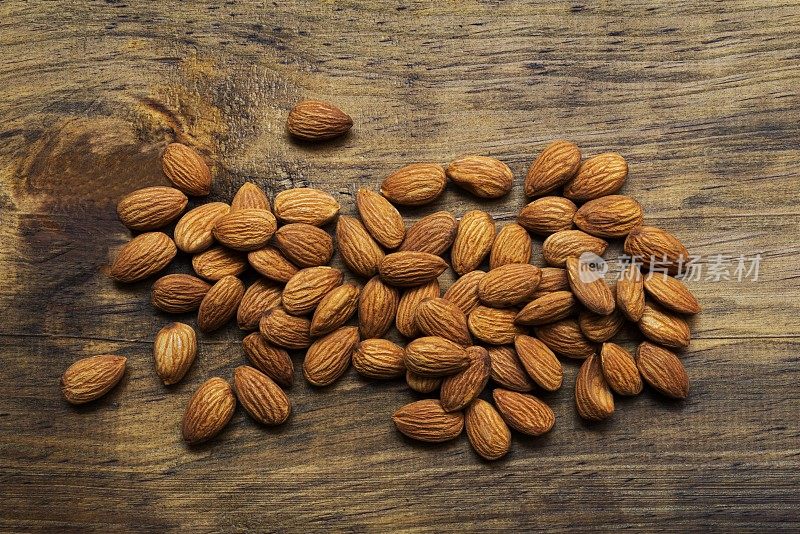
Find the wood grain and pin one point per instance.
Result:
(701, 99)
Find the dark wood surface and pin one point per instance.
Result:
(700, 97)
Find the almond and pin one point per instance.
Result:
(523, 412)
(208, 411)
(664, 328)
(512, 245)
(600, 328)
(381, 219)
(671, 293)
(142, 257)
(554, 167)
(194, 231)
(186, 170)
(609, 216)
(487, 432)
(308, 287)
(547, 215)
(440, 317)
(245, 229)
(656, 246)
(493, 325)
(218, 262)
(285, 330)
(565, 337)
(562, 245)
(507, 370)
(304, 245)
(630, 293)
(377, 308)
(598, 176)
(415, 185)
(482, 176)
(335, 309)
(539, 362)
(509, 285)
(548, 308)
(271, 264)
(270, 360)
(553, 279)
(261, 296)
(425, 420)
(464, 291)
(593, 398)
(435, 356)
(220, 303)
(329, 357)
(379, 358)
(305, 205)
(589, 287)
(151, 208)
(662, 370)
(90, 378)
(359, 251)
(174, 350)
(260, 396)
(422, 384)
(178, 293)
(462, 388)
(619, 370)
(410, 269)
(474, 239)
(250, 196)
(433, 234)
(315, 120)
(406, 311)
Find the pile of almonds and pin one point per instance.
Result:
(510, 323)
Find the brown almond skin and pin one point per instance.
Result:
(425, 420)
(208, 411)
(593, 398)
(440, 317)
(260, 396)
(335, 309)
(513, 244)
(464, 291)
(142, 257)
(553, 279)
(250, 196)
(377, 308)
(284, 330)
(218, 262)
(380, 218)
(422, 384)
(304, 245)
(178, 293)
(474, 240)
(194, 231)
(509, 285)
(523, 412)
(567, 243)
(462, 388)
(308, 287)
(610, 216)
(488, 433)
(650, 244)
(316, 120)
(186, 170)
(245, 229)
(306, 205)
(410, 269)
(630, 293)
(671, 293)
(600, 328)
(482, 176)
(90, 378)
(507, 370)
(262, 295)
(547, 215)
(380, 359)
(271, 264)
(417, 184)
(435, 356)
(151, 208)
(548, 308)
(539, 362)
(433, 234)
(554, 167)
(596, 295)
(493, 325)
(662, 370)
(220, 304)
(597, 177)
(565, 337)
(664, 328)
(329, 357)
(619, 370)
(405, 322)
(271, 360)
(359, 251)
(174, 351)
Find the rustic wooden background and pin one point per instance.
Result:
(700, 97)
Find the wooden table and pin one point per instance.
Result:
(702, 100)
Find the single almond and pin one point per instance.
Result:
(539, 362)
(263, 399)
(554, 167)
(547, 215)
(151, 208)
(271, 264)
(593, 398)
(208, 411)
(662, 370)
(488, 433)
(435, 356)
(186, 170)
(589, 286)
(671, 293)
(174, 351)
(462, 388)
(142, 257)
(194, 231)
(315, 120)
(567, 243)
(410, 269)
(493, 325)
(262, 295)
(600, 328)
(422, 384)
(335, 309)
(656, 247)
(405, 321)
(218, 262)
(308, 287)
(415, 185)
(553, 279)
(548, 308)
(304, 245)
(250, 196)
(426, 420)
(285, 330)
(377, 308)
(379, 358)
(306, 205)
(271, 360)
(359, 251)
(482, 176)
(630, 293)
(474, 240)
(464, 291)
(664, 328)
(512, 245)
(507, 370)
(329, 357)
(440, 317)
(380, 218)
(220, 303)
(245, 229)
(178, 293)
(433, 234)
(524, 412)
(598, 176)
(509, 285)
(619, 370)
(90, 378)
(609, 216)
(565, 337)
